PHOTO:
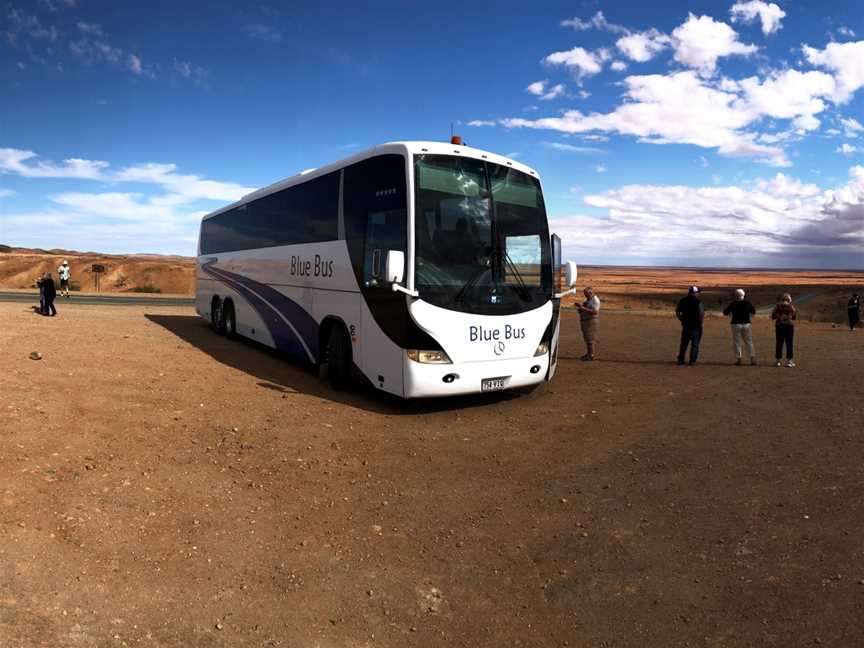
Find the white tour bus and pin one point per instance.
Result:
(425, 267)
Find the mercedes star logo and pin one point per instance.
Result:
(498, 348)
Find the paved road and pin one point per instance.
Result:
(112, 300)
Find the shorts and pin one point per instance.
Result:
(589, 329)
(64, 283)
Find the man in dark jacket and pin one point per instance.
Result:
(50, 292)
(741, 311)
(691, 314)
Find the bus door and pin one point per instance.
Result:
(557, 282)
(385, 230)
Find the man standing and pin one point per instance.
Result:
(741, 311)
(64, 273)
(691, 314)
(854, 311)
(50, 292)
(589, 311)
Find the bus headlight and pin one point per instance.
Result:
(542, 349)
(428, 357)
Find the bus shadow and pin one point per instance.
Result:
(281, 373)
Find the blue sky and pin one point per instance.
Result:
(719, 134)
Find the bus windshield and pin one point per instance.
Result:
(482, 240)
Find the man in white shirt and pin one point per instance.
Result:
(589, 311)
(64, 272)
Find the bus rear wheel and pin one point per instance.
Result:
(216, 321)
(339, 358)
(229, 320)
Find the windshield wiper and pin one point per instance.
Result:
(521, 288)
(460, 296)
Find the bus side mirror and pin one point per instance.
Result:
(394, 266)
(570, 273)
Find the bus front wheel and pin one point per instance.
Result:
(339, 358)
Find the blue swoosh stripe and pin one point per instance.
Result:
(284, 337)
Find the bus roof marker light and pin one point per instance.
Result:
(456, 139)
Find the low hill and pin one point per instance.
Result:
(19, 268)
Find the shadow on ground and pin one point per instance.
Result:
(279, 372)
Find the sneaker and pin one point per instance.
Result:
(777, 364)
(680, 362)
(791, 363)
(738, 362)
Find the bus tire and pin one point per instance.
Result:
(339, 358)
(229, 320)
(216, 321)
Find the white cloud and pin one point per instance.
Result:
(782, 221)
(618, 66)
(579, 61)
(186, 187)
(847, 149)
(5, 193)
(15, 161)
(768, 13)
(845, 61)
(182, 187)
(597, 21)
(789, 94)
(678, 108)
(845, 31)
(160, 214)
(584, 94)
(541, 90)
(601, 168)
(263, 32)
(571, 148)
(699, 42)
(643, 46)
(481, 122)
(135, 64)
(89, 28)
(851, 127)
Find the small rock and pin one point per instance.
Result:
(219, 626)
(35, 355)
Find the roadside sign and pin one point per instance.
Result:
(97, 269)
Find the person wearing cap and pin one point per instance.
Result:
(64, 273)
(784, 315)
(589, 311)
(691, 313)
(854, 311)
(741, 311)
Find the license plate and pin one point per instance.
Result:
(493, 384)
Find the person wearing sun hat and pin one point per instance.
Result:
(741, 311)
(691, 313)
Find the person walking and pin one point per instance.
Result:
(589, 312)
(741, 310)
(50, 294)
(691, 314)
(64, 273)
(784, 315)
(854, 311)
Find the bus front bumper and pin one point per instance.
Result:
(425, 380)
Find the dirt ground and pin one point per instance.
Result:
(162, 486)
